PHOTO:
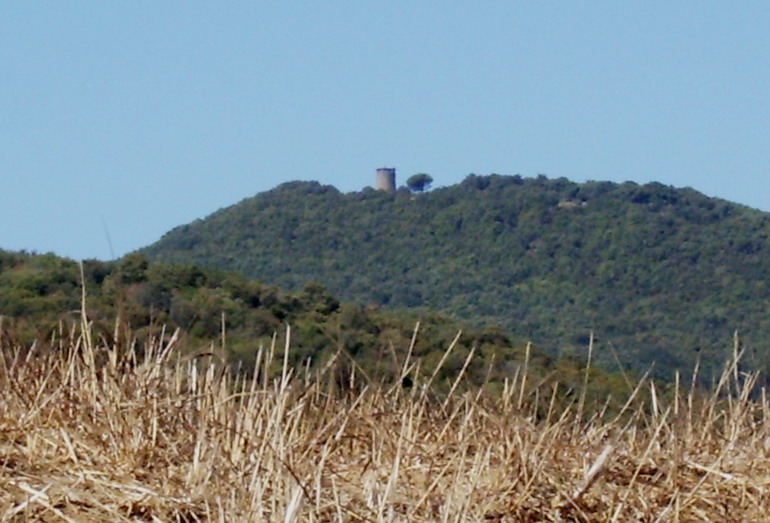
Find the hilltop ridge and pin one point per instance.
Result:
(659, 274)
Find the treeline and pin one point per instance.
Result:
(133, 300)
(661, 276)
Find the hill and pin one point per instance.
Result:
(659, 274)
(134, 302)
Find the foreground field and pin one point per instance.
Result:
(93, 433)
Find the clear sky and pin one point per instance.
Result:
(122, 120)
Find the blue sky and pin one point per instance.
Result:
(135, 117)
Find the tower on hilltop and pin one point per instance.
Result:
(386, 179)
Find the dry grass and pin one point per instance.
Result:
(87, 434)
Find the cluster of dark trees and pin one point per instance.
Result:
(661, 276)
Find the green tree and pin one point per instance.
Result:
(133, 268)
(419, 182)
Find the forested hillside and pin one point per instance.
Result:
(134, 301)
(659, 274)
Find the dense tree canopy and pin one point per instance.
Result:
(40, 299)
(659, 274)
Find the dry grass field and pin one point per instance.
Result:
(94, 433)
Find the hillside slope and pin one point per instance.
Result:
(659, 274)
(134, 301)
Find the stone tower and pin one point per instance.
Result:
(386, 179)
